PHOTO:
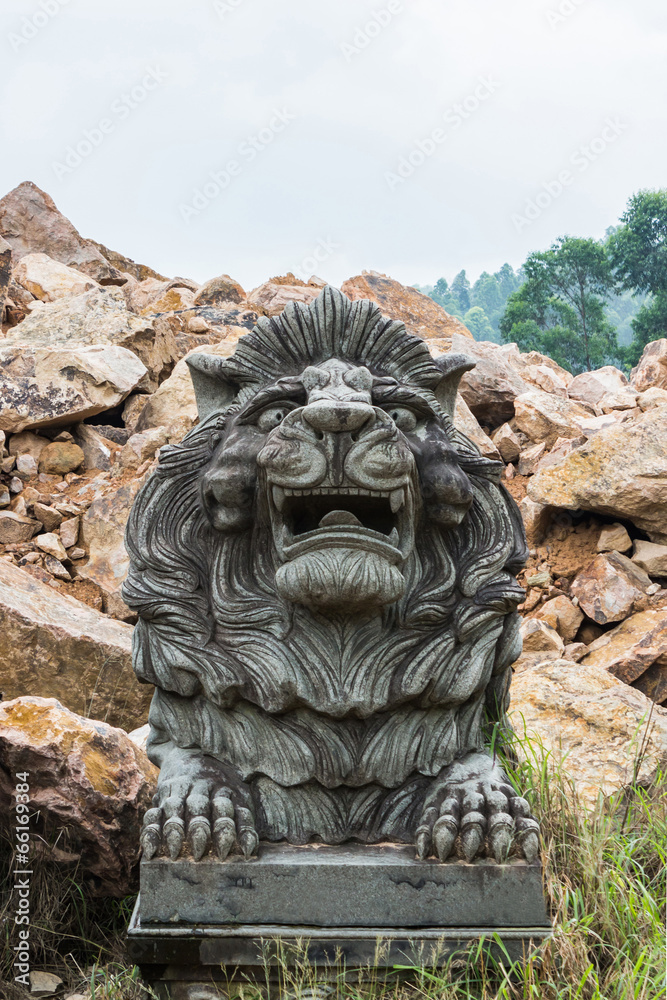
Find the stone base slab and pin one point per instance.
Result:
(182, 963)
(353, 885)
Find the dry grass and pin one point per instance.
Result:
(605, 878)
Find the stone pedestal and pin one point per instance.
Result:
(348, 906)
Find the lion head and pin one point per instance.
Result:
(325, 513)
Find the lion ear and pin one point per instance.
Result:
(452, 367)
(214, 391)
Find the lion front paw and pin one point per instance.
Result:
(202, 811)
(479, 813)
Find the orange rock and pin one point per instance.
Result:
(609, 588)
(85, 778)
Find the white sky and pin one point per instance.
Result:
(322, 181)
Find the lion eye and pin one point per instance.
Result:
(404, 418)
(272, 417)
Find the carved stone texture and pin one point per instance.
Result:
(323, 573)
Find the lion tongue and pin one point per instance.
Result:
(336, 517)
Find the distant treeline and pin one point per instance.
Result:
(583, 302)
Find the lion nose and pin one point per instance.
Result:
(335, 415)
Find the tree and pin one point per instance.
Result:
(478, 323)
(461, 291)
(638, 253)
(559, 310)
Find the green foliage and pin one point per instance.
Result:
(638, 253)
(480, 307)
(560, 309)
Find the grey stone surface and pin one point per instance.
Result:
(350, 886)
(323, 571)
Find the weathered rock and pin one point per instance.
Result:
(26, 466)
(624, 399)
(60, 457)
(651, 557)
(530, 457)
(561, 614)
(44, 984)
(141, 446)
(50, 543)
(590, 387)
(27, 443)
(421, 315)
(133, 407)
(520, 362)
(97, 317)
(507, 442)
(48, 279)
(102, 533)
(55, 567)
(621, 472)
(5, 274)
(493, 384)
(271, 298)
(558, 452)
(16, 527)
(575, 651)
(652, 397)
(69, 532)
(592, 720)
(126, 265)
(544, 417)
(31, 223)
(49, 516)
(465, 421)
(628, 650)
(173, 405)
(98, 451)
(540, 636)
(614, 538)
(42, 387)
(536, 519)
(653, 683)
(545, 378)
(58, 647)
(652, 368)
(609, 587)
(219, 291)
(173, 299)
(86, 778)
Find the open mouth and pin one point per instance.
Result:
(342, 515)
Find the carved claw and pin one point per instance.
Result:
(224, 835)
(472, 834)
(150, 834)
(174, 835)
(248, 842)
(500, 840)
(444, 836)
(423, 843)
(199, 836)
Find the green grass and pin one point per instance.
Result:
(605, 880)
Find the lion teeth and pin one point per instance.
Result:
(278, 497)
(396, 499)
(393, 538)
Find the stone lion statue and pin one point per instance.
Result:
(323, 572)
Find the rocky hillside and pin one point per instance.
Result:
(93, 383)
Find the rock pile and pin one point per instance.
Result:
(93, 382)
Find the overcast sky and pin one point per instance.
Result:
(413, 138)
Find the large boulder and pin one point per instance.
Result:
(591, 387)
(102, 533)
(54, 646)
(651, 372)
(50, 386)
(493, 384)
(421, 315)
(87, 781)
(545, 417)
(271, 298)
(99, 316)
(630, 649)
(466, 422)
(31, 223)
(5, 273)
(590, 721)
(651, 557)
(219, 292)
(48, 279)
(610, 587)
(621, 471)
